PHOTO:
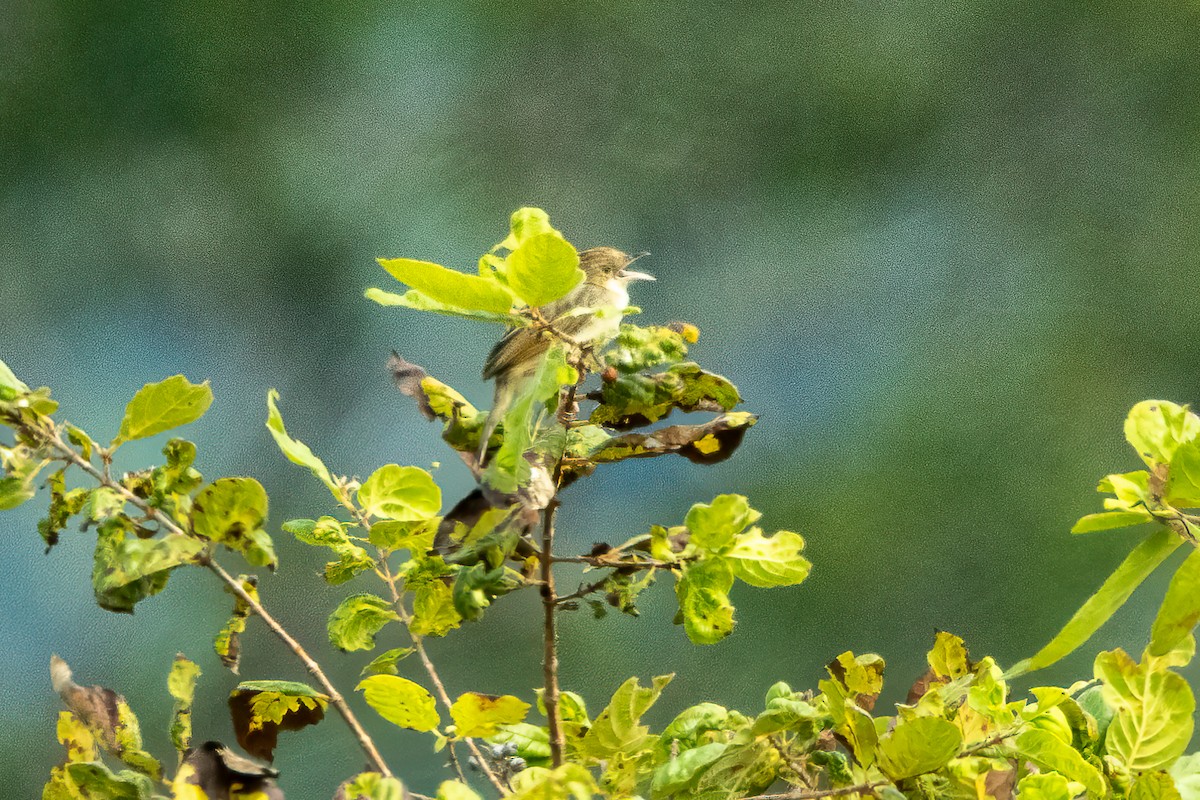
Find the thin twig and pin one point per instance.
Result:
(601, 561)
(454, 763)
(861, 788)
(385, 572)
(165, 521)
(583, 591)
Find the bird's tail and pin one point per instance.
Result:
(505, 389)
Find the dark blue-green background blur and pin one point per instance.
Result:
(941, 247)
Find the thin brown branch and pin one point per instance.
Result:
(235, 586)
(385, 572)
(549, 638)
(582, 591)
(601, 561)
(860, 788)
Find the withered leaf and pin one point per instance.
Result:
(709, 443)
(261, 709)
(107, 716)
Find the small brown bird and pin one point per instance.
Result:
(516, 357)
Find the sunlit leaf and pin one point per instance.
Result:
(702, 590)
(917, 746)
(296, 451)
(356, 620)
(385, 662)
(370, 786)
(401, 702)
(227, 643)
(232, 511)
(1152, 721)
(181, 683)
(158, 407)
(481, 715)
(1136, 567)
(1156, 428)
(1180, 610)
(404, 494)
(449, 287)
(543, 268)
(1054, 755)
(768, 561)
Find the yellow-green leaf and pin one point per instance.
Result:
(296, 451)
(401, 702)
(448, 286)
(543, 268)
(158, 407)
(480, 715)
(404, 494)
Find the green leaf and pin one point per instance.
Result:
(918, 746)
(231, 511)
(370, 786)
(617, 729)
(1107, 520)
(416, 537)
(127, 569)
(639, 399)
(94, 781)
(330, 532)
(482, 715)
(568, 782)
(1136, 567)
(421, 302)
(181, 683)
(1054, 755)
(1044, 786)
(449, 287)
(401, 702)
(1182, 487)
(158, 407)
(434, 613)
(296, 451)
(1180, 610)
(385, 662)
(702, 589)
(10, 385)
(683, 771)
(477, 586)
(262, 709)
(532, 741)
(356, 620)
(525, 222)
(543, 268)
(1152, 722)
(75, 736)
(768, 562)
(453, 790)
(637, 348)
(948, 658)
(1156, 428)
(1154, 786)
(404, 494)
(714, 525)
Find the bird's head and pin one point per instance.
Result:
(603, 264)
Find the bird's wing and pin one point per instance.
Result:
(519, 346)
(526, 345)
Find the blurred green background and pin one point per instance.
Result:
(942, 248)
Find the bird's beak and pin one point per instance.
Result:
(632, 275)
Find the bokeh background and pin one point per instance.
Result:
(941, 247)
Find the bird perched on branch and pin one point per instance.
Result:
(517, 356)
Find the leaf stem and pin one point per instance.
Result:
(166, 522)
